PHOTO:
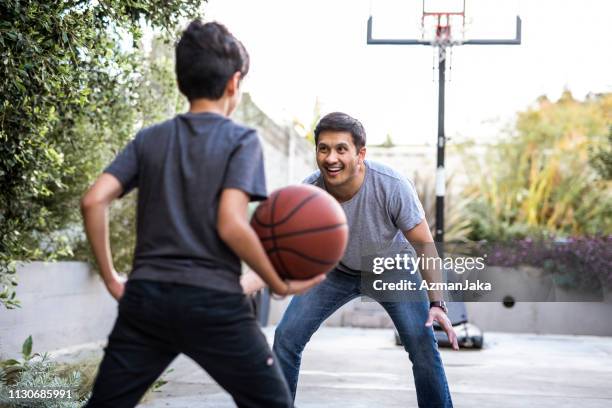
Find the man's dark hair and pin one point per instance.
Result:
(341, 122)
(207, 55)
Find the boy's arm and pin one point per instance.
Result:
(234, 229)
(94, 207)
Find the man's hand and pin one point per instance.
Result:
(438, 315)
(116, 286)
(251, 282)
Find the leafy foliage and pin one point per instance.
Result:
(601, 158)
(541, 181)
(35, 371)
(69, 102)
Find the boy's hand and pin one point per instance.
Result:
(116, 286)
(296, 287)
(251, 283)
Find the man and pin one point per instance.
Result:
(381, 207)
(196, 174)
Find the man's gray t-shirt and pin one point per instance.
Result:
(180, 167)
(385, 205)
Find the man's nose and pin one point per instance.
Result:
(332, 157)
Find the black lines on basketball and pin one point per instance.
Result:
(278, 251)
(288, 216)
(303, 230)
(280, 259)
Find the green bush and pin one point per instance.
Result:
(36, 371)
(70, 102)
(543, 180)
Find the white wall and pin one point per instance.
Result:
(62, 304)
(288, 157)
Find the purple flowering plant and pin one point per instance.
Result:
(582, 263)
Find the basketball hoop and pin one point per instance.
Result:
(443, 23)
(442, 26)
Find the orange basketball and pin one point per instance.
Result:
(303, 230)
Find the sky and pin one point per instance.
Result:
(302, 51)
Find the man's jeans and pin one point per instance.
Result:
(306, 313)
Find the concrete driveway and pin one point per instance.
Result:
(346, 367)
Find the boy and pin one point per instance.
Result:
(195, 174)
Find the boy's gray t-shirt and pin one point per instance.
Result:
(385, 205)
(180, 167)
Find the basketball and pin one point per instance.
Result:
(303, 230)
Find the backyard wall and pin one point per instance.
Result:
(583, 318)
(62, 304)
(66, 303)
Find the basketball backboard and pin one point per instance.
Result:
(445, 22)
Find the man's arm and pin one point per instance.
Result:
(422, 241)
(234, 229)
(94, 207)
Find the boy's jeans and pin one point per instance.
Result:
(159, 320)
(306, 313)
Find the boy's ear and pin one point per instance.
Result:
(233, 84)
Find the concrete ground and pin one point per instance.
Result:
(358, 368)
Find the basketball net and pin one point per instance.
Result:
(443, 24)
(443, 30)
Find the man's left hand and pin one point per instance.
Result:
(436, 314)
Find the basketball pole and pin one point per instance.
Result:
(441, 142)
(457, 312)
(440, 178)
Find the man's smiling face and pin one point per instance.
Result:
(337, 158)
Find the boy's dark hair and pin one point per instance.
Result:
(207, 55)
(341, 122)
